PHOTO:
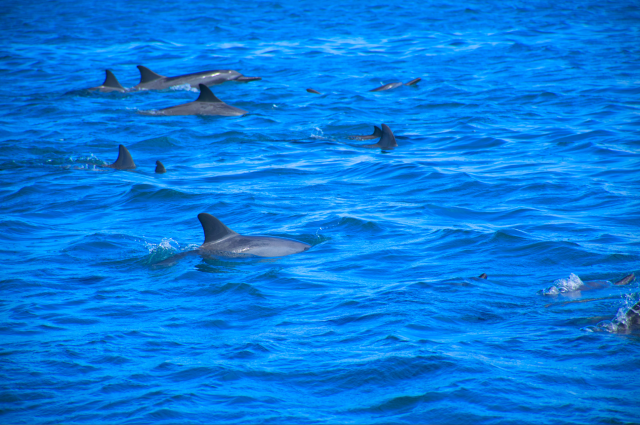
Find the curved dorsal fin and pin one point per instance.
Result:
(112, 81)
(388, 140)
(160, 168)
(412, 82)
(213, 228)
(124, 161)
(147, 75)
(483, 276)
(625, 280)
(206, 95)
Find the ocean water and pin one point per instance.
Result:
(518, 156)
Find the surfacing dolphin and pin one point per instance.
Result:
(573, 286)
(149, 80)
(387, 140)
(124, 161)
(376, 133)
(206, 104)
(110, 84)
(221, 241)
(396, 85)
(627, 321)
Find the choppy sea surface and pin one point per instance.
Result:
(518, 156)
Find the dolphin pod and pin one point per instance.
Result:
(206, 104)
(149, 80)
(125, 161)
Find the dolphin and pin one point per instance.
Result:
(573, 286)
(630, 319)
(149, 80)
(110, 84)
(483, 276)
(206, 104)
(219, 240)
(160, 168)
(387, 140)
(376, 133)
(396, 85)
(313, 91)
(124, 161)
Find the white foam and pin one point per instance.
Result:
(185, 87)
(569, 284)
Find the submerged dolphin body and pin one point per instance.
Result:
(124, 161)
(110, 84)
(219, 240)
(149, 80)
(396, 85)
(376, 133)
(387, 140)
(206, 104)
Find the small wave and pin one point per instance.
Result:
(571, 283)
(161, 251)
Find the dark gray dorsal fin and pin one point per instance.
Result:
(213, 228)
(412, 82)
(124, 161)
(376, 131)
(206, 95)
(160, 168)
(483, 276)
(626, 280)
(147, 75)
(112, 81)
(388, 140)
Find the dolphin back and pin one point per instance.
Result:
(124, 161)
(214, 229)
(626, 280)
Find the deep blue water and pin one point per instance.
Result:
(518, 156)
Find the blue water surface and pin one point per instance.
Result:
(518, 156)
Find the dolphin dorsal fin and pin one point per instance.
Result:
(124, 161)
(214, 229)
(206, 95)
(112, 81)
(147, 75)
(160, 168)
(388, 140)
(625, 280)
